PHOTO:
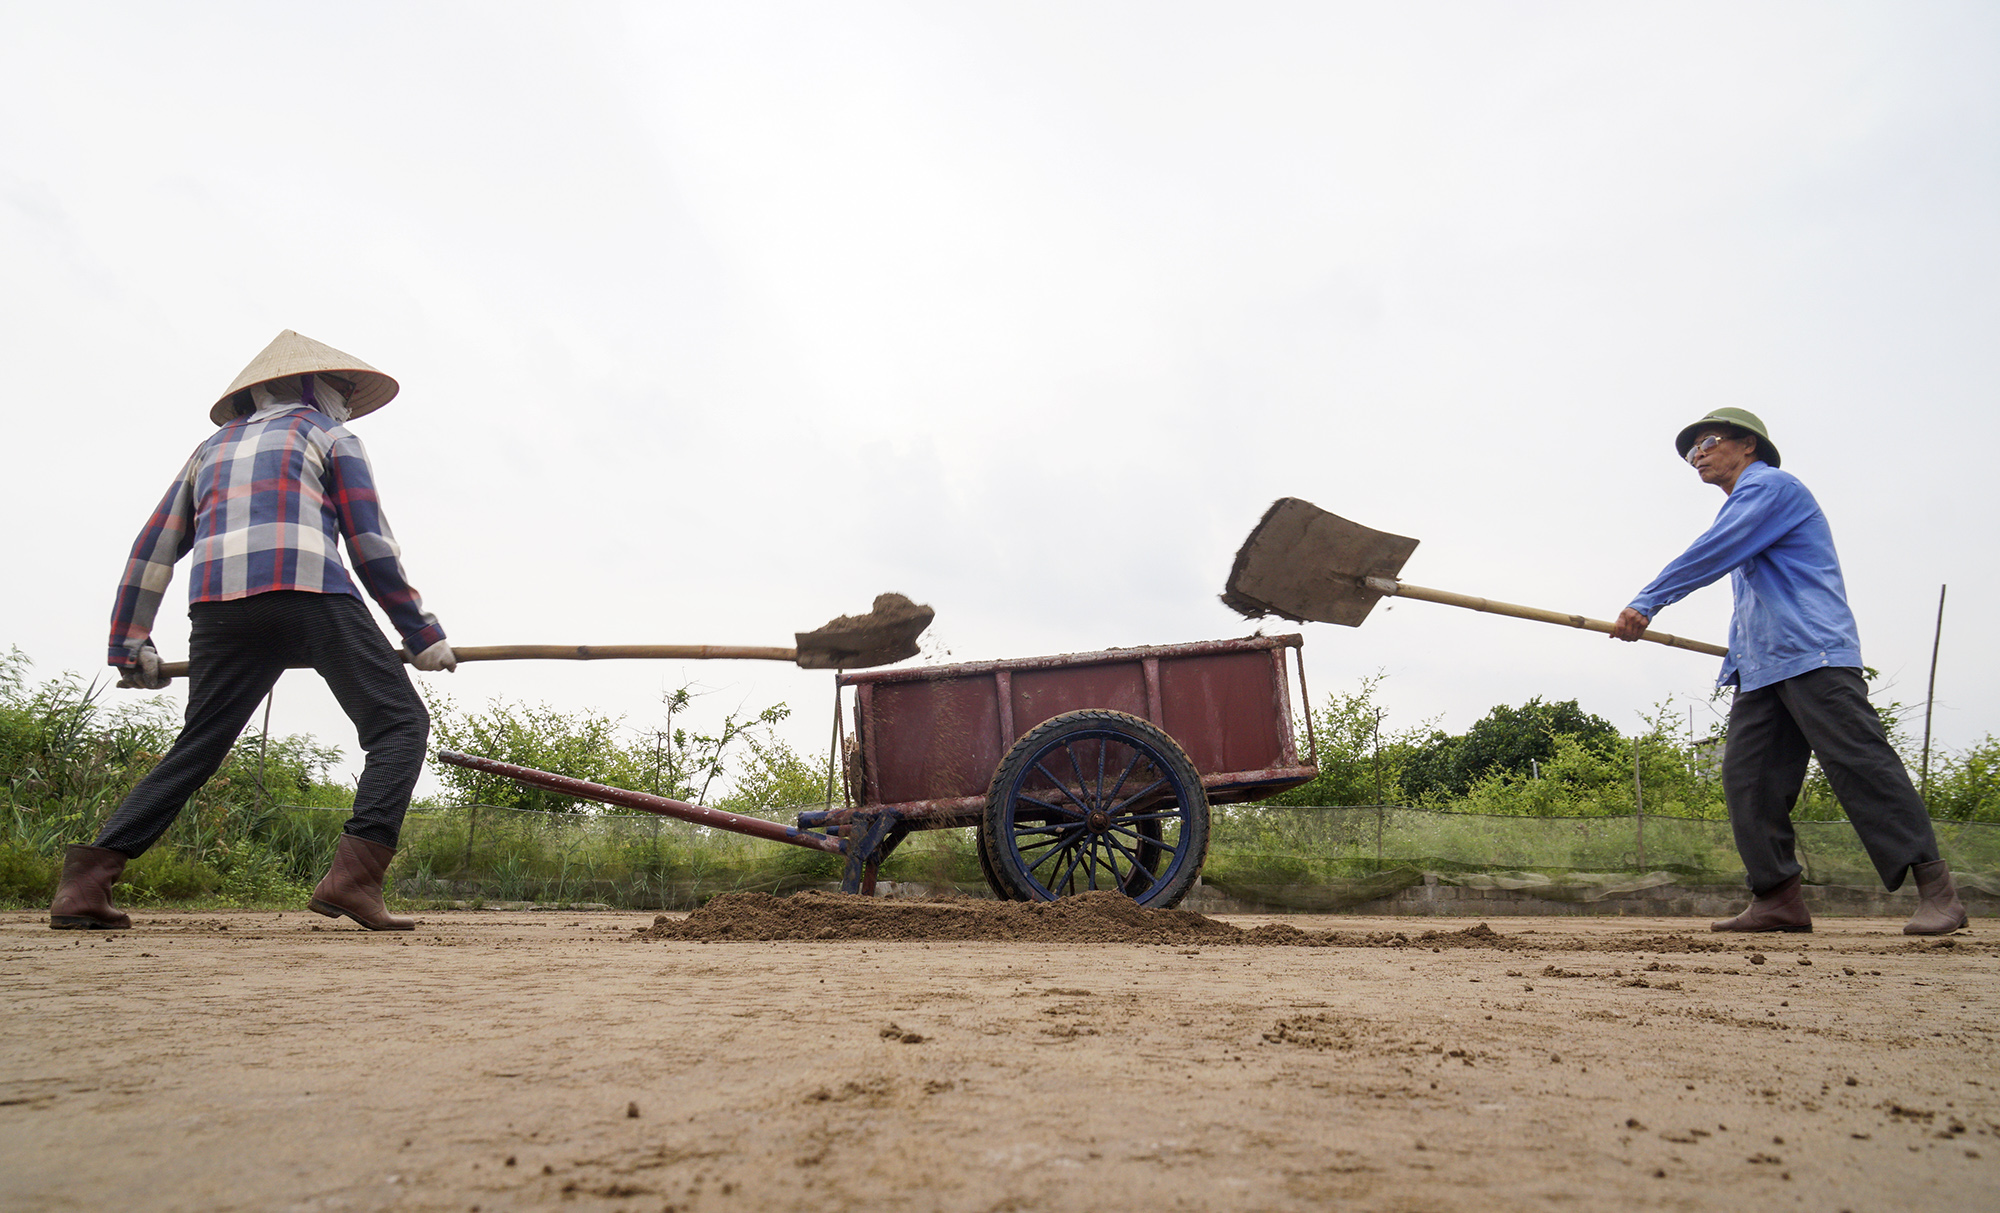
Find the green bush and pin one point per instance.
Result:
(265, 828)
(1966, 786)
(166, 874)
(27, 876)
(1506, 741)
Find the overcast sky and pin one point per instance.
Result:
(713, 321)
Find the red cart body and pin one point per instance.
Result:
(929, 738)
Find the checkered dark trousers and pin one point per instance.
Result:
(236, 652)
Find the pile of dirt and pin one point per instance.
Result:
(1098, 917)
(889, 611)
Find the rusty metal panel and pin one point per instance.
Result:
(1281, 690)
(932, 740)
(931, 673)
(1041, 695)
(933, 735)
(1222, 709)
(1003, 690)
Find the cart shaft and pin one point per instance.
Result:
(737, 823)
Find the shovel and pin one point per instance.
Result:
(1303, 563)
(886, 634)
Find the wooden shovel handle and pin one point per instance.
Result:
(1404, 589)
(612, 652)
(589, 652)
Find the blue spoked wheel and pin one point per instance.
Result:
(1095, 800)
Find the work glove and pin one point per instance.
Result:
(144, 673)
(437, 657)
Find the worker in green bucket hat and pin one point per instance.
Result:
(1795, 662)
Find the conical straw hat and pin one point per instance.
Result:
(291, 354)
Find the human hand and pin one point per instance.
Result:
(1630, 625)
(144, 673)
(437, 657)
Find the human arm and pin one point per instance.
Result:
(1761, 511)
(372, 546)
(149, 569)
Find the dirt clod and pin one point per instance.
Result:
(887, 633)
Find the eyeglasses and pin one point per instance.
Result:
(1704, 446)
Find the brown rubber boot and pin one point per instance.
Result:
(83, 899)
(1939, 911)
(1780, 909)
(353, 886)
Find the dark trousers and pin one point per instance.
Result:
(1773, 730)
(235, 653)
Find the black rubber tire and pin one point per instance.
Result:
(1136, 819)
(1000, 890)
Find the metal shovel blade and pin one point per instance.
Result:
(1303, 563)
(886, 634)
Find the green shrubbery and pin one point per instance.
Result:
(1527, 791)
(251, 836)
(1555, 760)
(69, 756)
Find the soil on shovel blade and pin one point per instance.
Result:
(889, 611)
(1097, 917)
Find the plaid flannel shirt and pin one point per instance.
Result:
(262, 504)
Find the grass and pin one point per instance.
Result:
(262, 831)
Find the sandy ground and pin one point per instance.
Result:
(497, 1061)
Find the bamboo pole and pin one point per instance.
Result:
(1930, 694)
(589, 652)
(1403, 589)
(264, 746)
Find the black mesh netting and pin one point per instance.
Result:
(1333, 858)
(1291, 857)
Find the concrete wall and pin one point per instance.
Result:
(1433, 899)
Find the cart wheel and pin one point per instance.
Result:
(1095, 800)
(1000, 890)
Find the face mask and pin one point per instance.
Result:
(312, 391)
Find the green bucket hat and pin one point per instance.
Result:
(1741, 419)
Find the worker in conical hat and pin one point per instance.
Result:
(262, 505)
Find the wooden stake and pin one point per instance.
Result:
(264, 745)
(1930, 693)
(1638, 803)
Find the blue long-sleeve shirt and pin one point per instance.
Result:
(1791, 612)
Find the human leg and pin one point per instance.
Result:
(367, 677)
(1763, 767)
(231, 667)
(1832, 710)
